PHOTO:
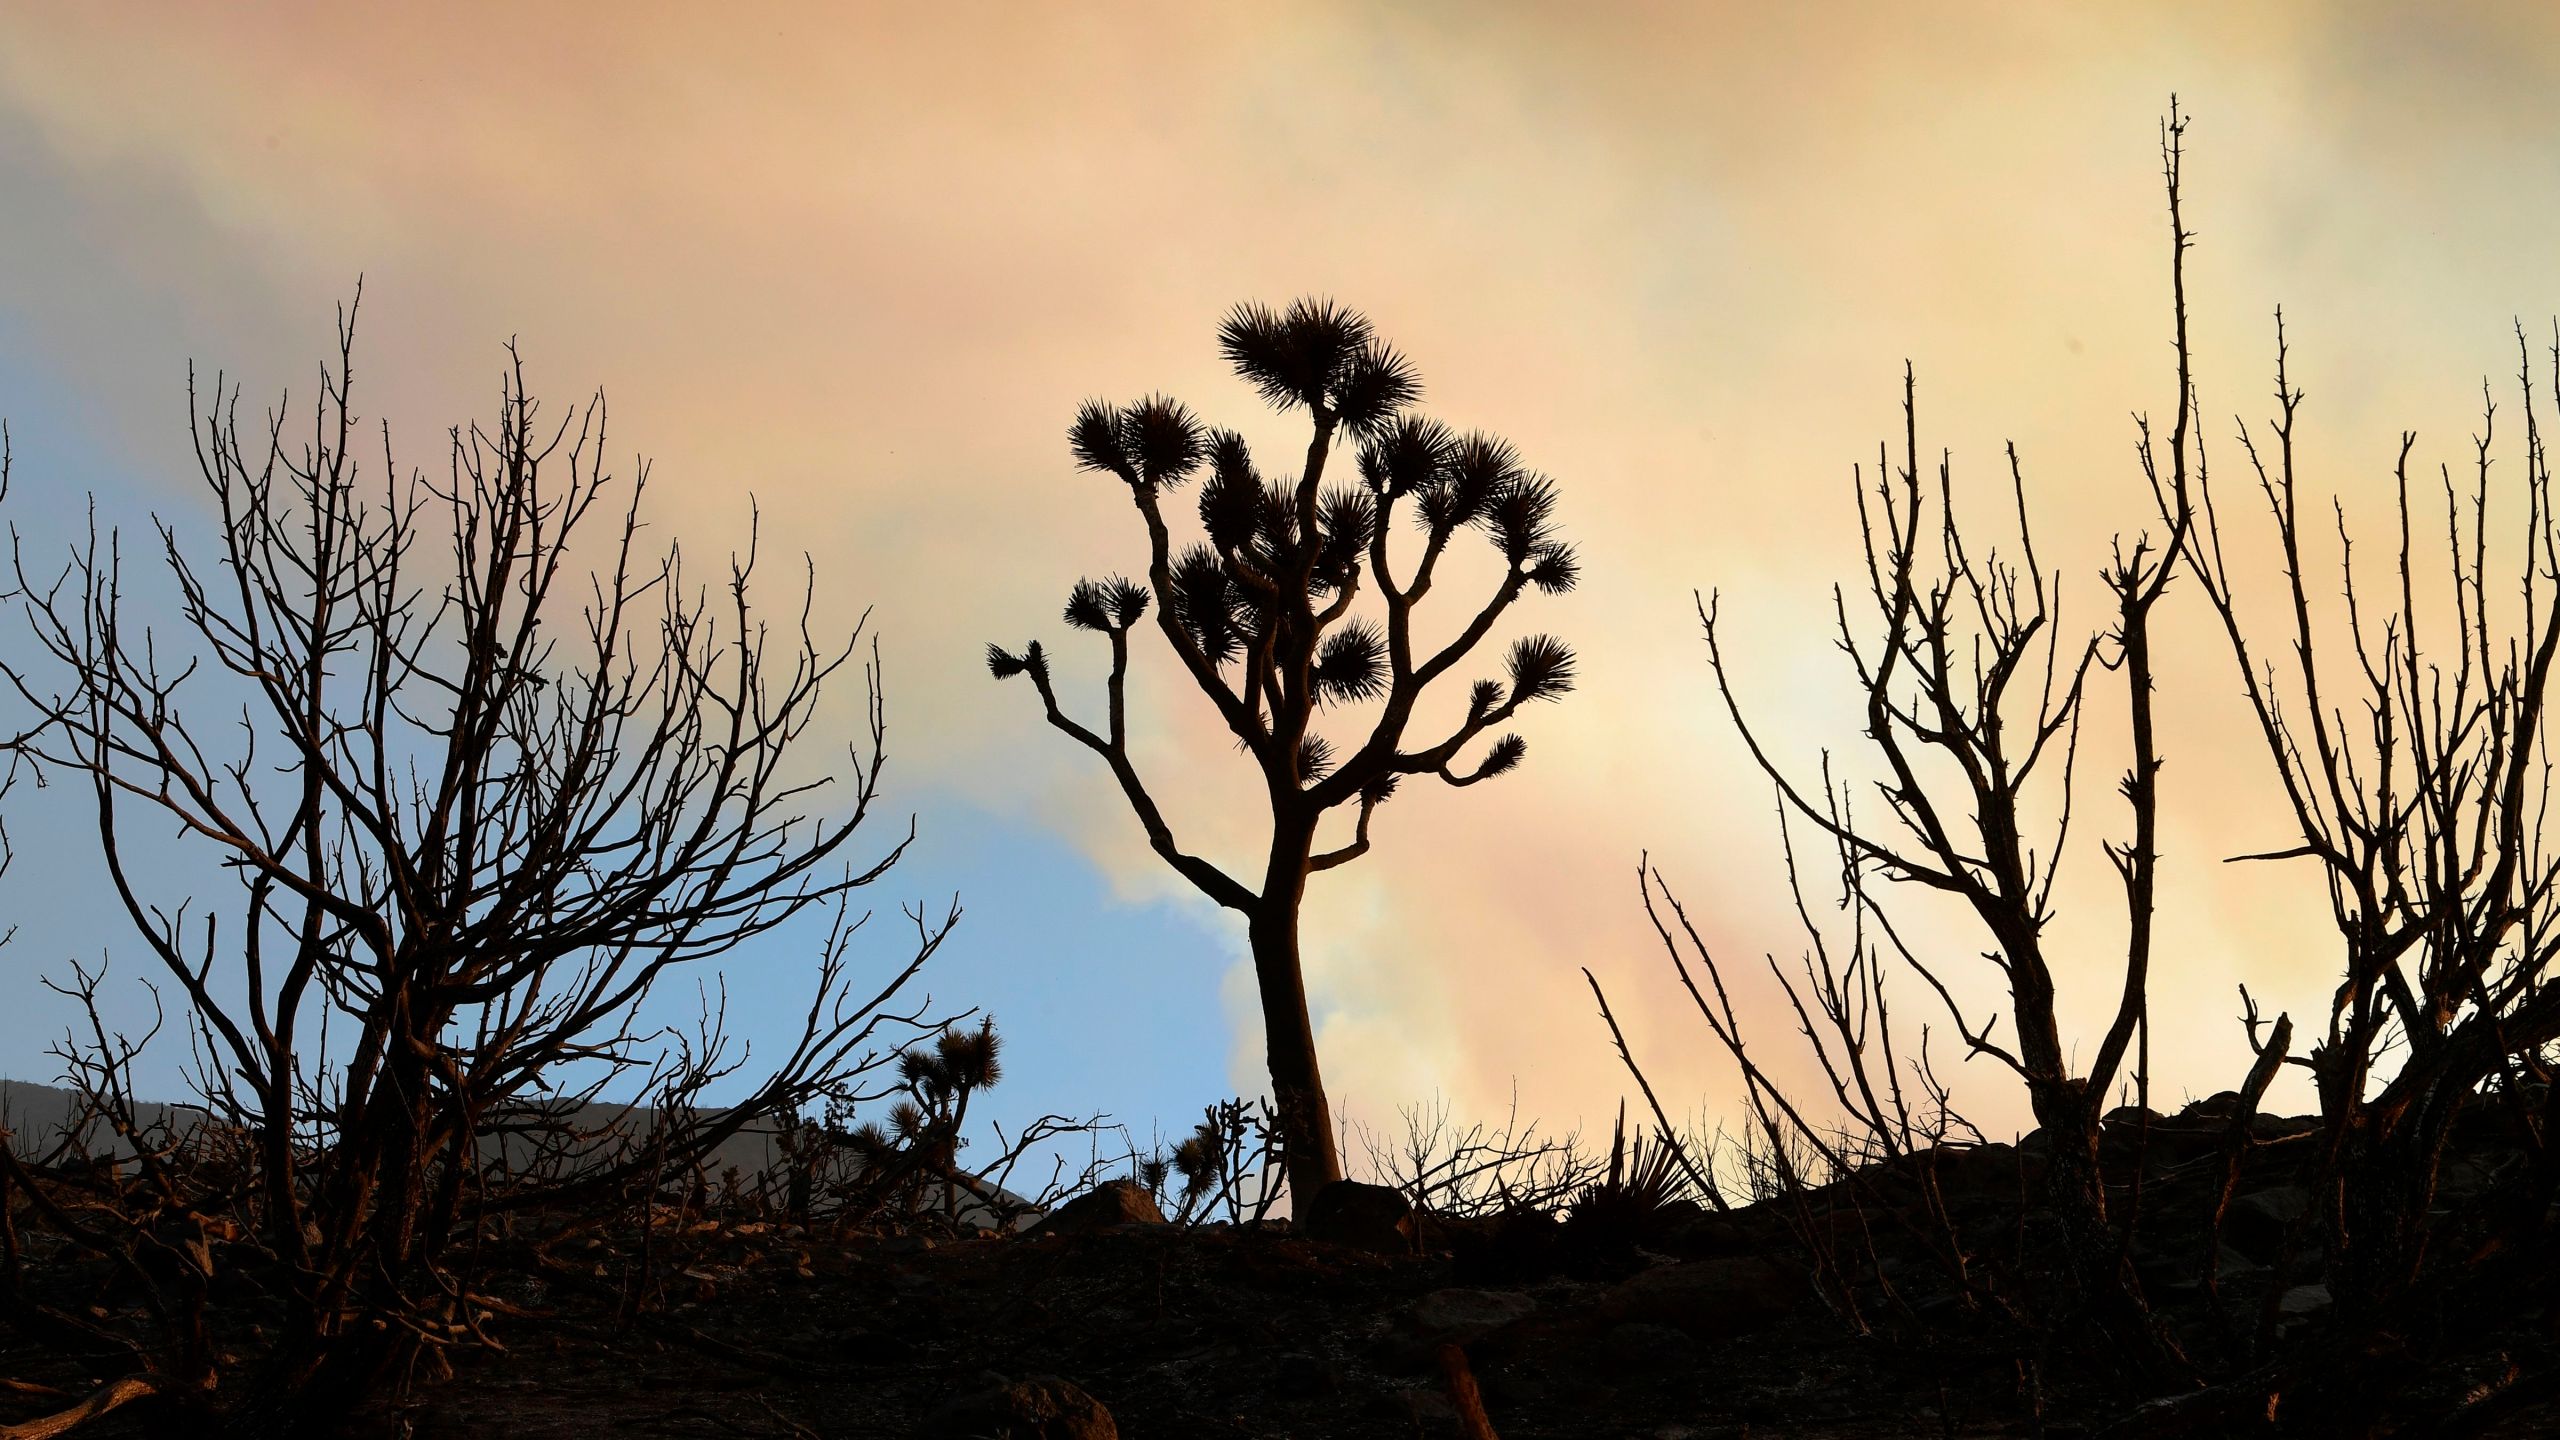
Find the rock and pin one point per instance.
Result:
(1303, 1376)
(2164, 1141)
(1940, 1307)
(1041, 1408)
(1413, 1410)
(1428, 1407)
(1455, 1317)
(1113, 1202)
(1708, 1299)
(1642, 1348)
(1376, 1218)
(2462, 1179)
(2255, 1224)
(2304, 1300)
(1715, 1299)
(1446, 1317)
(2299, 1307)
(2220, 1105)
(1752, 1230)
(1517, 1245)
(1438, 1234)
(2181, 1272)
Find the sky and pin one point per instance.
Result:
(857, 266)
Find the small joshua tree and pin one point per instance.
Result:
(1265, 613)
(919, 1149)
(1228, 1167)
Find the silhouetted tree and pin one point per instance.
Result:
(1264, 613)
(1971, 699)
(486, 770)
(2412, 747)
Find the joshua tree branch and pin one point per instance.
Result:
(1358, 847)
(1204, 672)
(1211, 881)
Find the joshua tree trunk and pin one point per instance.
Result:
(1297, 1081)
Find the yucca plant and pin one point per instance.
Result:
(916, 1148)
(1227, 1167)
(1292, 606)
(1640, 1193)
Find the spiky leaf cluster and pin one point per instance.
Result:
(908, 1122)
(1472, 481)
(1322, 357)
(1254, 525)
(1155, 442)
(1004, 664)
(958, 1062)
(970, 1059)
(1231, 502)
(1212, 606)
(1641, 1193)
(1503, 758)
(1521, 519)
(1315, 758)
(1106, 605)
(1350, 664)
(1541, 668)
(1406, 456)
(1346, 517)
(1199, 1158)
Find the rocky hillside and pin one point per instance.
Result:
(1828, 1318)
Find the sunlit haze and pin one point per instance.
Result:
(857, 267)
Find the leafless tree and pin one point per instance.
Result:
(2410, 745)
(488, 770)
(1972, 699)
(1264, 615)
(1449, 1167)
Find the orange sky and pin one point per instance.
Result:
(863, 263)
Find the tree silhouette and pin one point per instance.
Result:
(500, 772)
(1973, 698)
(1264, 614)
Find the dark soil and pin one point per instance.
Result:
(1703, 1326)
(1179, 1333)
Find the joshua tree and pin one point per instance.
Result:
(1265, 614)
(919, 1149)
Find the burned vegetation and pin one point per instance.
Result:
(469, 779)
